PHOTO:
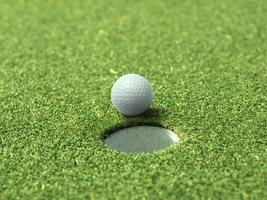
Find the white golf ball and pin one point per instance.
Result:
(131, 94)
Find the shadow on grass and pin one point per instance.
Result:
(153, 112)
(150, 118)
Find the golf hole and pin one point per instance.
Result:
(141, 139)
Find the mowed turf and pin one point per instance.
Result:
(206, 61)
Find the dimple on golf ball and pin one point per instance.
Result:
(131, 94)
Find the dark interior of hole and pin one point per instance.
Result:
(129, 124)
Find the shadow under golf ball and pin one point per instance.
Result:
(138, 139)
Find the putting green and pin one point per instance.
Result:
(206, 61)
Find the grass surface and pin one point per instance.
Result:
(206, 61)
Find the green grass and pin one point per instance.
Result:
(206, 61)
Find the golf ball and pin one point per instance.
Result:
(131, 94)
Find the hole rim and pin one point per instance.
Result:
(122, 126)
